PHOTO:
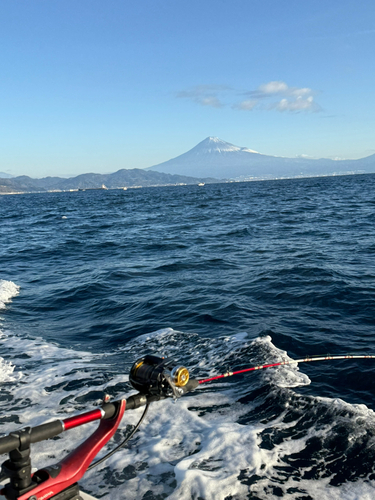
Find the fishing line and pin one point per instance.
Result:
(289, 362)
(98, 462)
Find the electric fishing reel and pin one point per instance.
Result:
(154, 376)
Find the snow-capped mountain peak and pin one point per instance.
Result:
(218, 159)
(215, 145)
(212, 157)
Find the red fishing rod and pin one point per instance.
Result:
(309, 359)
(155, 378)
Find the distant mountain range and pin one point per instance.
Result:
(222, 160)
(3, 175)
(212, 160)
(123, 178)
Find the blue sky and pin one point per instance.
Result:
(95, 86)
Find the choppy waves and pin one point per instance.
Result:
(255, 437)
(220, 278)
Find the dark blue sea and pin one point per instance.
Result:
(220, 277)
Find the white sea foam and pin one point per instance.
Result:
(207, 454)
(282, 376)
(8, 290)
(6, 371)
(194, 448)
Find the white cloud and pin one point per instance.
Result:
(281, 97)
(205, 95)
(247, 105)
(298, 104)
(210, 101)
(273, 88)
(275, 95)
(300, 92)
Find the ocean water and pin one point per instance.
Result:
(220, 277)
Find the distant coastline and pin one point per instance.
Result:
(210, 181)
(122, 179)
(211, 161)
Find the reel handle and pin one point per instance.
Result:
(138, 400)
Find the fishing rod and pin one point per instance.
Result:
(309, 359)
(154, 378)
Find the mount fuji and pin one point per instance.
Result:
(216, 158)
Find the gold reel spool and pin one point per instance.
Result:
(180, 376)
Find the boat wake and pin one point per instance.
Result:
(8, 290)
(252, 437)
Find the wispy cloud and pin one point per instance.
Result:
(271, 96)
(298, 104)
(247, 105)
(205, 95)
(280, 97)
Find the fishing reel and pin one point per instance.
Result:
(160, 377)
